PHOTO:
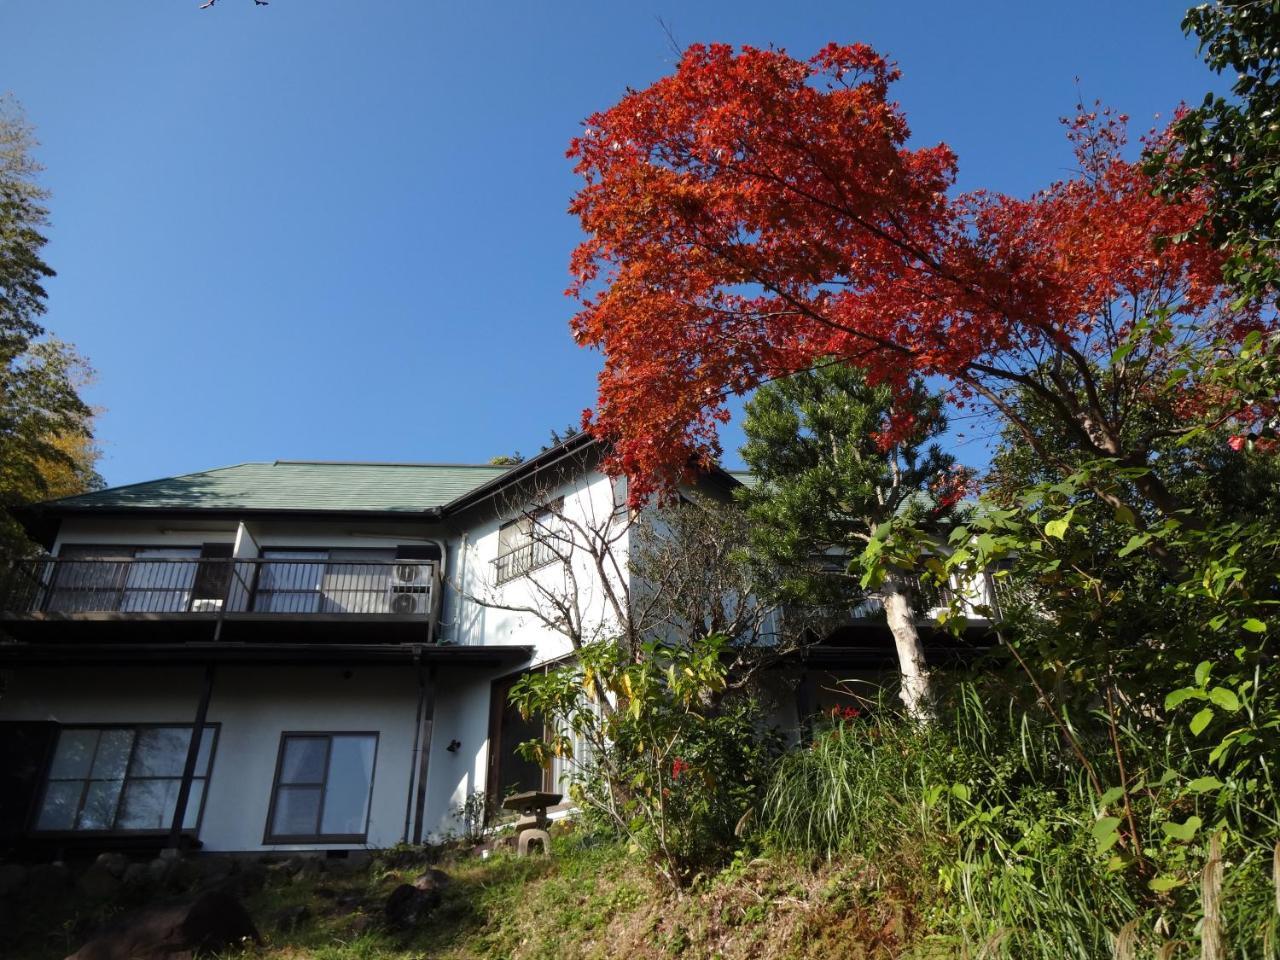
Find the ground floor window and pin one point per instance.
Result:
(123, 778)
(322, 788)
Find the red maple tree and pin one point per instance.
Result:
(753, 214)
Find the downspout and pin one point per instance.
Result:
(417, 739)
(424, 752)
(193, 754)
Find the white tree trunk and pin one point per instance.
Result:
(916, 694)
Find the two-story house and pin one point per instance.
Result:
(300, 655)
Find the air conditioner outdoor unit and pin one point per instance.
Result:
(405, 574)
(406, 604)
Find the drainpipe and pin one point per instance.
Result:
(193, 754)
(424, 753)
(417, 738)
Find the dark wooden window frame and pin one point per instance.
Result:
(115, 832)
(273, 838)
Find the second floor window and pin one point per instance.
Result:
(529, 542)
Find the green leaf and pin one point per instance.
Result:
(1181, 831)
(1182, 694)
(1202, 672)
(1201, 720)
(1225, 698)
(1204, 784)
(1165, 883)
(1125, 515)
(960, 792)
(1111, 796)
(1056, 528)
(1254, 625)
(1137, 541)
(1104, 825)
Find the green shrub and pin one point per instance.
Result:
(992, 817)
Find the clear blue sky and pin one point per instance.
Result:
(336, 229)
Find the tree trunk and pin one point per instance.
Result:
(916, 693)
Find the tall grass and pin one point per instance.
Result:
(987, 814)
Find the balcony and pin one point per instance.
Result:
(194, 598)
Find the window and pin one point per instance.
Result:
(123, 778)
(322, 789)
(528, 542)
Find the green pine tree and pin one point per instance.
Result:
(826, 487)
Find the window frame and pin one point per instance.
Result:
(34, 827)
(269, 838)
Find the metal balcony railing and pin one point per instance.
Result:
(524, 558)
(54, 585)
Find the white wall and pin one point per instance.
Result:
(480, 617)
(254, 705)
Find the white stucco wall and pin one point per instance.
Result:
(480, 617)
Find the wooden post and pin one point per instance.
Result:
(193, 754)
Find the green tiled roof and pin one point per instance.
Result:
(296, 485)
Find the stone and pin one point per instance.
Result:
(433, 879)
(13, 877)
(213, 868)
(137, 875)
(45, 880)
(407, 905)
(208, 923)
(158, 870)
(114, 863)
(308, 869)
(99, 883)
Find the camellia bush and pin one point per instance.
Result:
(661, 758)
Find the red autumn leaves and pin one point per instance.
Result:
(753, 214)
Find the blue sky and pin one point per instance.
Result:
(336, 229)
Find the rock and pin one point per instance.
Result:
(213, 868)
(46, 880)
(408, 905)
(251, 877)
(308, 869)
(433, 879)
(291, 918)
(137, 875)
(99, 883)
(209, 923)
(13, 877)
(114, 863)
(158, 870)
